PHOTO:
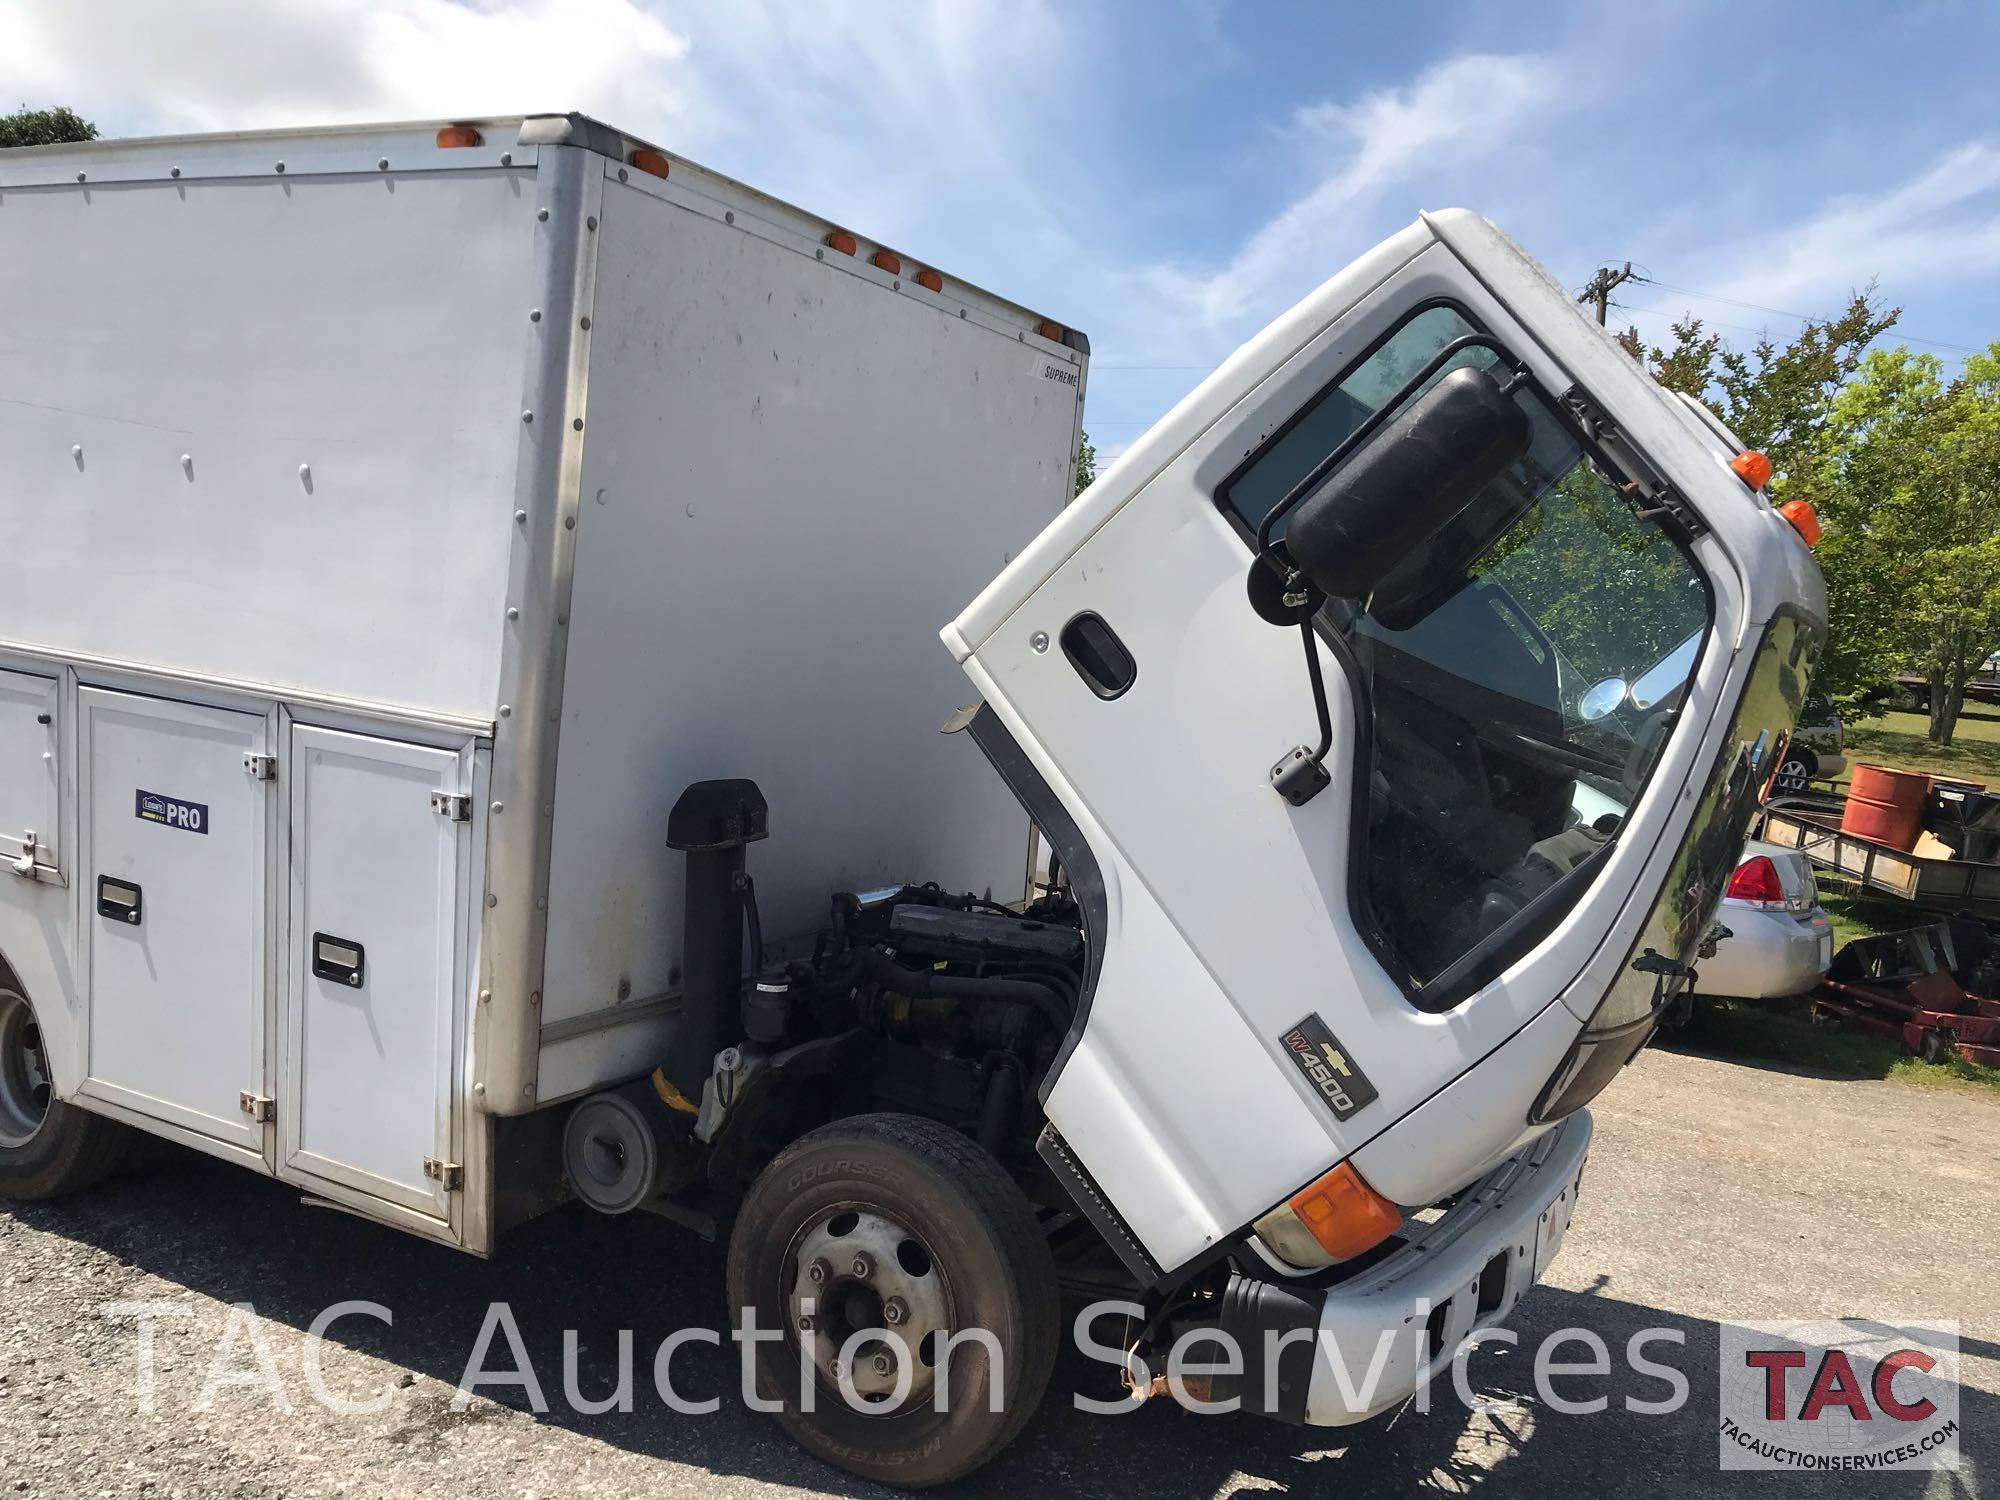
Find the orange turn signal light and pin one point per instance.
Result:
(930, 281)
(649, 161)
(1752, 467)
(842, 241)
(458, 135)
(1804, 519)
(1344, 1214)
(1053, 332)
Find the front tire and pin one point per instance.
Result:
(891, 1224)
(47, 1148)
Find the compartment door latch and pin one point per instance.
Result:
(453, 806)
(256, 1106)
(260, 767)
(448, 1175)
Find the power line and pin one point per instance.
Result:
(1779, 312)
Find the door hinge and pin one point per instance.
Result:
(260, 767)
(456, 806)
(256, 1106)
(448, 1175)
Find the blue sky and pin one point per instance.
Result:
(1168, 176)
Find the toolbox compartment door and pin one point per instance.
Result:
(173, 900)
(374, 971)
(28, 770)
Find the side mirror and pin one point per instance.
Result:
(1405, 483)
(1601, 699)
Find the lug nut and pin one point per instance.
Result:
(863, 1268)
(817, 1272)
(894, 1310)
(884, 1364)
(805, 1322)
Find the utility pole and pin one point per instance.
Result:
(1598, 288)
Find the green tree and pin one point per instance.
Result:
(1782, 399)
(44, 127)
(1909, 468)
(1086, 463)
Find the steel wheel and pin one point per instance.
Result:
(864, 1284)
(26, 1088)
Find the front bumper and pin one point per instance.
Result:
(1462, 1272)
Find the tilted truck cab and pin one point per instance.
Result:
(466, 744)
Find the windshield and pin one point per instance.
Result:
(1489, 788)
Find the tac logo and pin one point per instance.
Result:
(1851, 1395)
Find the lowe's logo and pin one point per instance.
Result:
(172, 812)
(1335, 1076)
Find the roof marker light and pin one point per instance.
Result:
(1752, 467)
(842, 241)
(648, 160)
(1804, 520)
(887, 260)
(452, 136)
(1053, 332)
(930, 281)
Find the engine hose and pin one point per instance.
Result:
(926, 984)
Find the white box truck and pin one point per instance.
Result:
(436, 553)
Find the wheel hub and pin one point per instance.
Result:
(26, 1086)
(864, 1284)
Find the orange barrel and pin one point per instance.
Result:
(1886, 805)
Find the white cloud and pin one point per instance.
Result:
(1945, 221)
(1462, 109)
(137, 66)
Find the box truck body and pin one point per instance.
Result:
(343, 468)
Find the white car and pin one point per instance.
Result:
(1779, 942)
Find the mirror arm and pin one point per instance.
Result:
(1301, 775)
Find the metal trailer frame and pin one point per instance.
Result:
(1941, 885)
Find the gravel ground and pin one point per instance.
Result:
(1716, 1190)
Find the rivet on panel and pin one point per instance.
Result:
(583, 323)
(534, 315)
(1039, 641)
(520, 518)
(486, 997)
(77, 454)
(527, 416)
(491, 899)
(577, 424)
(729, 217)
(506, 158)
(541, 904)
(528, 1092)
(499, 807)
(563, 618)
(381, 163)
(281, 166)
(479, 1091)
(506, 710)
(569, 523)
(591, 222)
(548, 809)
(513, 613)
(819, 255)
(306, 477)
(600, 497)
(80, 176)
(174, 172)
(187, 465)
(622, 175)
(542, 215)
